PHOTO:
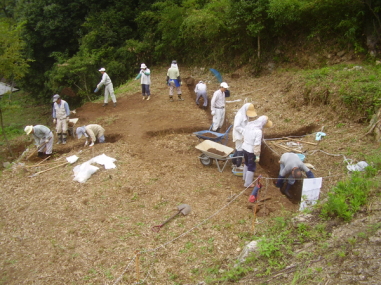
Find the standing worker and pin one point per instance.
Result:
(43, 138)
(240, 121)
(217, 105)
(292, 165)
(145, 80)
(200, 90)
(93, 131)
(252, 146)
(61, 113)
(109, 88)
(174, 81)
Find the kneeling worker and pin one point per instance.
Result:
(43, 138)
(93, 131)
(292, 165)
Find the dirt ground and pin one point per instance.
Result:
(58, 231)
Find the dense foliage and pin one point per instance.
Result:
(67, 41)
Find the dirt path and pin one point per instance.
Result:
(57, 231)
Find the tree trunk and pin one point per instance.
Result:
(259, 47)
(5, 136)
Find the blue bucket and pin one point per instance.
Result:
(301, 156)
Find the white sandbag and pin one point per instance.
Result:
(83, 172)
(360, 166)
(72, 159)
(105, 160)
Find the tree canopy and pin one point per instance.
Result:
(68, 40)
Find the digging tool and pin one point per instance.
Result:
(183, 209)
(33, 175)
(40, 146)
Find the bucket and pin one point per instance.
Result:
(301, 156)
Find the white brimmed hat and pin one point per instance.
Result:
(56, 97)
(250, 112)
(224, 85)
(102, 69)
(28, 129)
(143, 65)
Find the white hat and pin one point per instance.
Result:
(143, 65)
(28, 129)
(80, 131)
(56, 97)
(224, 85)
(174, 62)
(102, 69)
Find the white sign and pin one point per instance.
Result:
(310, 192)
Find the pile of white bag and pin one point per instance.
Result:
(83, 171)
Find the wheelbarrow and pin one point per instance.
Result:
(183, 209)
(214, 136)
(220, 153)
(70, 127)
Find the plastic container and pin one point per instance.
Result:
(301, 156)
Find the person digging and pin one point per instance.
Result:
(43, 138)
(292, 166)
(94, 131)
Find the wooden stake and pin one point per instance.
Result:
(48, 169)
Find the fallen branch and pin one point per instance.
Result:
(299, 141)
(48, 169)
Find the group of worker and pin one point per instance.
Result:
(247, 136)
(247, 128)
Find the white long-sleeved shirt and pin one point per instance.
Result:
(41, 133)
(218, 100)
(105, 80)
(200, 87)
(290, 160)
(253, 135)
(240, 122)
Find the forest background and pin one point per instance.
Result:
(57, 46)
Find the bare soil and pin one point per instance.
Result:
(58, 231)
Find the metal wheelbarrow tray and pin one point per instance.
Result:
(214, 136)
(206, 158)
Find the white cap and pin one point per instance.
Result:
(80, 131)
(143, 65)
(28, 129)
(56, 97)
(224, 85)
(102, 69)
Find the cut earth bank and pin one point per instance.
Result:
(57, 231)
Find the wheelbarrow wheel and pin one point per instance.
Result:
(205, 160)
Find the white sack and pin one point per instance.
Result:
(72, 159)
(105, 160)
(83, 172)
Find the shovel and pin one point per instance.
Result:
(40, 146)
(183, 209)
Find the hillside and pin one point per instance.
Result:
(58, 231)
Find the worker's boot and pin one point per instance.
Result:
(114, 104)
(249, 179)
(104, 104)
(286, 191)
(170, 98)
(179, 97)
(244, 173)
(59, 136)
(144, 97)
(64, 135)
(41, 154)
(148, 97)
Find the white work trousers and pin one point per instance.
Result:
(48, 147)
(109, 90)
(218, 119)
(61, 126)
(172, 86)
(238, 145)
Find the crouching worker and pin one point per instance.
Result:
(93, 131)
(252, 146)
(291, 165)
(43, 138)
